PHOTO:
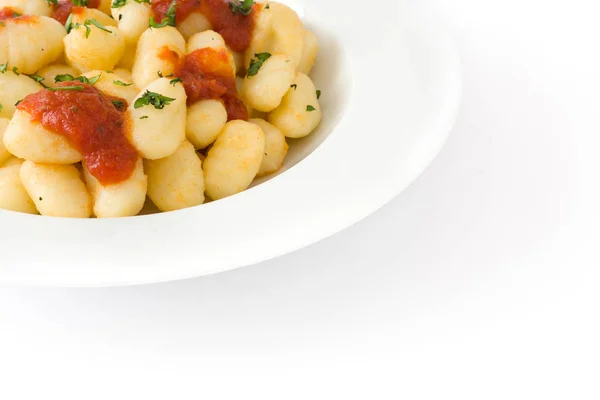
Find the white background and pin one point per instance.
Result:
(480, 281)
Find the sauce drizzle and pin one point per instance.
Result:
(8, 13)
(207, 74)
(65, 7)
(94, 123)
(235, 28)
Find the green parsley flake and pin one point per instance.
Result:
(119, 83)
(243, 7)
(255, 64)
(169, 20)
(156, 100)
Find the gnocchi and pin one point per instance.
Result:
(234, 160)
(110, 106)
(177, 181)
(56, 190)
(13, 196)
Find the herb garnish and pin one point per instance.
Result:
(122, 83)
(169, 20)
(38, 79)
(66, 88)
(243, 7)
(152, 99)
(255, 64)
(82, 79)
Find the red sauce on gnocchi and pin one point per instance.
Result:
(65, 7)
(207, 74)
(8, 13)
(235, 28)
(94, 123)
(183, 8)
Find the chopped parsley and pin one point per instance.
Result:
(169, 20)
(69, 23)
(255, 64)
(38, 79)
(118, 104)
(71, 78)
(175, 81)
(4, 67)
(52, 2)
(243, 7)
(160, 75)
(16, 71)
(119, 83)
(118, 3)
(318, 94)
(1, 107)
(86, 24)
(267, 6)
(310, 108)
(294, 86)
(54, 89)
(18, 102)
(156, 100)
(80, 3)
(144, 117)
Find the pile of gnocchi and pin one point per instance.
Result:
(107, 106)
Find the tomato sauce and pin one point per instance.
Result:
(168, 55)
(235, 28)
(65, 7)
(183, 8)
(206, 74)
(92, 124)
(8, 13)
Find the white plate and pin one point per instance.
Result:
(391, 86)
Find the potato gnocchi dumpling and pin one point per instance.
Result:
(14, 88)
(158, 51)
(123, 199)
(4, 154)
(234, 159)
(276, 147)
(205, 120)
(114, 104)
(177, 181)
(113, 84)
(13, 195)
(30, 42)
(50, 73)
(29, 140)
(28, 7)
(265, 90)
(196, 22)
(132, 19)
(299, 112)
(156, 133)
(89, 46)
(56, 190)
